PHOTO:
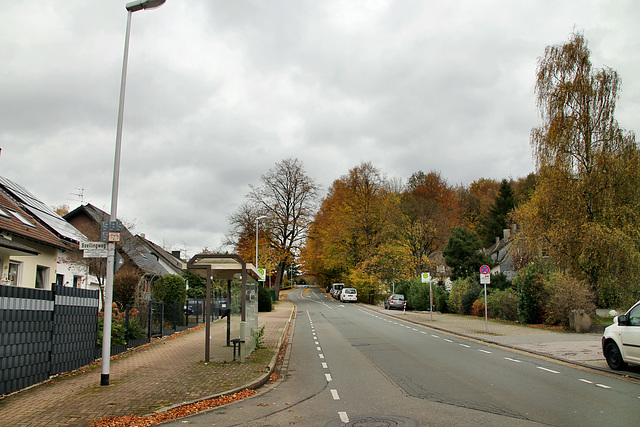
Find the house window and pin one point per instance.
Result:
(77, 280)
(15, 273)
(21, 218)
(4, 213)
(60, 279)
(42, 276)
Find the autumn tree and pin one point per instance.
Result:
(287, 197)
(475, 201)
(350, 240)
(427, 213)
(584, 213)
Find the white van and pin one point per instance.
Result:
(336, 288)
(349, 295)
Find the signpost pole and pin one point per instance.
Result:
(485, 279)
(486, 317)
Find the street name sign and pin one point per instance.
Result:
(92, 245)
(95, 253)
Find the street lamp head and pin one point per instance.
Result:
(144, 4)
(261, 217)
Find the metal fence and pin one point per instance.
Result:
(44, 333)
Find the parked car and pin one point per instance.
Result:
(394, 301)
(349, 295)
(336, 288)
(621, 341)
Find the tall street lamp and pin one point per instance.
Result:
(258, 219)
(111, 247)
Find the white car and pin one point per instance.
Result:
(621, 341)
(349, 294)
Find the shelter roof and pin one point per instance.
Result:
(223, 266)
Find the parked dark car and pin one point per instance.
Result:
(394, 301)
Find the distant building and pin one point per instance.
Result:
(133, 253)
(501, 253)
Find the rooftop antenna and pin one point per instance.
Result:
(79, 194)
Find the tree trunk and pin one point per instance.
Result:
(279, 274)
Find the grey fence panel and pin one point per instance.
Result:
(75, 328)
(26, 322)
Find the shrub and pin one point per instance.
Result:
(418, 296)
(458, 290)
(118, 330)
(170, 289)
(440, 298)
(470, 296)
(477, 308)
(531, 292)
(265, 303)
(125, 284)
(566, 293)
(503, 304)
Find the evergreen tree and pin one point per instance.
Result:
(497, 218)
(464, 253)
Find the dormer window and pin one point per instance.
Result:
(21, 218)
(4, 213)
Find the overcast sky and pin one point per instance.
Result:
(220, 91)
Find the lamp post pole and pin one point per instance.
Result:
(111, 247)
(258, 219)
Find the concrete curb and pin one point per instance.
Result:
(624, 374)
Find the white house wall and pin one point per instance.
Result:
(48, 258)
(70, 265)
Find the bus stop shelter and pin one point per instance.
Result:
(230, 267)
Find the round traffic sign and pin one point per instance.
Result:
(485, 269)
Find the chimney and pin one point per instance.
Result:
(176, 254)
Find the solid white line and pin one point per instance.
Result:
(485, 351)
(513, 360)
(585, 381)
(328, 377)
(334, 393)
(343, 417)
(602, 386)
(548, 370)
(324, 365)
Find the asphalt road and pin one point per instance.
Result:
(352, 366)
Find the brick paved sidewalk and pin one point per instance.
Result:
(164, 373)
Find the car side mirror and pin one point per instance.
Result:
(622, 320)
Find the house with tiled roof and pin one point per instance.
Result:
(134, 252)
(29, 251)
(71, 269)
